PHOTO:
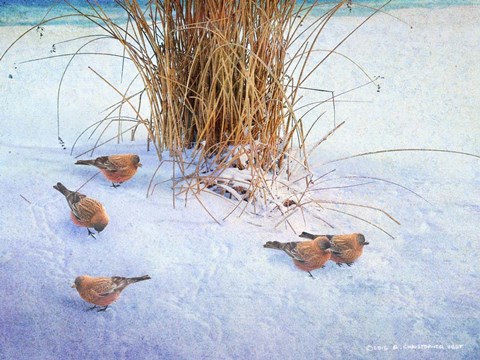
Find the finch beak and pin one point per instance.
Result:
(139, 164)
(73, 286)
(366, 243)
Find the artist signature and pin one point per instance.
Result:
(396, 347)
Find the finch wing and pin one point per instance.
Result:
(105, 294)
(105, 163)
(98, 293)
(336, 250)
(292, 250)
(73, 202)
(105, 287)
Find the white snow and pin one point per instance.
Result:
(215, 292)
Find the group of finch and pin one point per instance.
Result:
(90, 213)
(314, 253)
(102, 291)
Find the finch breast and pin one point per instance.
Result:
(312, 255)
(94, 298)
(119, 176)
(347, 248)
(348, 255)
(78, 222)
(87, 210)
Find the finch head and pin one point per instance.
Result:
(78, 281)
(361, 240)
(100, 221)
(136, 161)
(99, 227)
(325, 245)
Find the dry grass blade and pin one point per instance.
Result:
(385, 181)
(25, 33)
(342, 41)
(24, 198)
(95, 125)
(361, 219)
(86, 182)
(359, 205)
(91, 150)
(341, 186)
(402, 150)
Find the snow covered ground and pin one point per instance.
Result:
(215, 292)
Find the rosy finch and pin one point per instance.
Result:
(345, 248)
(306, 255)
(102, 291)
(85, 212)
(116, 168)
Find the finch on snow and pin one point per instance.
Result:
(116, 168)
(102, 291)
(345, 249)
(307, 255)
(85, 211)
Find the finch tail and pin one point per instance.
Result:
(273, 245)
(307, 235)
(85, 162)
(60, 187)
(137, 279)
(290, 248)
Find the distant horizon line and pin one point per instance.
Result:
(377, 3)
(31, 12)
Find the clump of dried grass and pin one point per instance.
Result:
(220, 91)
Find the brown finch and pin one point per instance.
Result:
(306, 255)
(345, 249)
(102, 291)
(116, 168)
(85, 212)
